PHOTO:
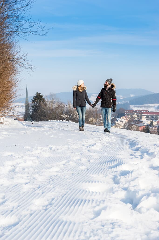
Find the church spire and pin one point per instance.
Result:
(27, 109)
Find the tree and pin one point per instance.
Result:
(14, 23)
(70, 113)
(120, 112)
(147, 129)
(93, 116)
(39, 108)
(7, 66)
(151, 123)
(8, 81)
(55, 108)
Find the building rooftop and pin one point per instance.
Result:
(151, 113)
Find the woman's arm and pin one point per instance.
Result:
(87, 99)
(74, 98)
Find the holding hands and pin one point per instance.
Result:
(93, 105)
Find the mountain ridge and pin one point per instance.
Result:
(123, 95)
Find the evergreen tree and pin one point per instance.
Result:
(39, 108)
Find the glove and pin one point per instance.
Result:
(93, 105)
(114, 108)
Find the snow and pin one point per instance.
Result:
(61, 184)
(149, 107)
(18, 108)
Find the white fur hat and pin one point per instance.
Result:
(80, 82)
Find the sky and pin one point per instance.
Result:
(92, 40)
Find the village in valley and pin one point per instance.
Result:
(138, 120)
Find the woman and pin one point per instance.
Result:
(79, 102)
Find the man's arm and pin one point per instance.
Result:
(97, 99)
(114, 101)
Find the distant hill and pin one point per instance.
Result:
(132, 92)
(123, 95)
(125, 106)
(142, 102)
(22, 100)
(148, 99)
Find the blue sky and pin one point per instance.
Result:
(93, 40)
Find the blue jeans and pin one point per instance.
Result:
(81, 113)
(106, 115)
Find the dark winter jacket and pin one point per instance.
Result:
(80, 98)
(108, 97)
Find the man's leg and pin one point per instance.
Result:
(104, 116)
(108, 118)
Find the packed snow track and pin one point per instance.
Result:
(57, 183)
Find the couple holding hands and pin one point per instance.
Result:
(108, 102)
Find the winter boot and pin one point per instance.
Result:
(106, 130)
(81, 129)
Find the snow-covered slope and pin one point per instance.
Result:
(61, 184)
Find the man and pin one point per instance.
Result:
(108, 103)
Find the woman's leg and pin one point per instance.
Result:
(79, 111)
(83, 115)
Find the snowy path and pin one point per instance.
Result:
(61, 184)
